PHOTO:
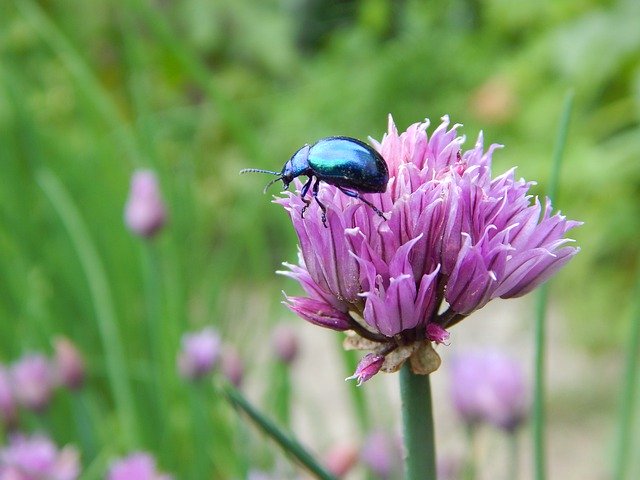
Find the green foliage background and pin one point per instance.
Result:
(197, 89)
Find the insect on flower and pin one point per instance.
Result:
(344, 162)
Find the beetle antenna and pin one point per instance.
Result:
(266, 187)
(258, 170)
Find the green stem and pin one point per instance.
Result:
(538, 428)
(417, 425)
(469, 472)
(102, 301)
(514, 455)
(627, 397)
(286, 442)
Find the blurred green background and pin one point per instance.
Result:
(197, 89)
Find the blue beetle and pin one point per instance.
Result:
(347, 163)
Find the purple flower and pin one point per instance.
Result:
(37, 458)
(489, 387)
(380, 454)
(454, 239)
(137, 466)
(199, 354)
(33, 381)
(145, 213)
(8, 410)
(69, 364)
(285, 343)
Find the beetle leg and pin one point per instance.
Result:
(303, 193)
(354, 194)
(316, 187)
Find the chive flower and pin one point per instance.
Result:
(489, 387)
(36, 457)
(136, 466)
(200, 353)
(145, 213)
(454, 238)
(33, 379)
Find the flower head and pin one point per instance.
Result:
(284, 342)
(137, 466)
(69, 364)
(37, 458)
(380, 453)
(33, 379)
(232, 366)
(199, 354)
(489, 387)
(453, 236)
(145, 213)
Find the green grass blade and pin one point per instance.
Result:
(286, 442)
(82, 74)
(627, 395)
(539, 444)
(101, 298)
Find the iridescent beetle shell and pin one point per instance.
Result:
(344, 162)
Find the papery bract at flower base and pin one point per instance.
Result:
(453, 233)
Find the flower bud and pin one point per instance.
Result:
(369, 365)
(199, 354)
(69, 364)
(232, 366)
(136, 466)
(145, 212)
(341, 458)
(380, 454)
(33, 381)
(490, 387)
(285, 343)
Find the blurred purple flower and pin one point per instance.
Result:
(37, 458)
(145, 212)
(137, 466)
(453, 234)
(69, 364)
(380, 454)
(490, 387)
(33, 381)
(199, 354)
(285, 343)
(8, 408)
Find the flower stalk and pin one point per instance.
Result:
(417, 425)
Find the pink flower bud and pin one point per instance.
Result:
(200, 353)
(436, 333)
(232, 366)
(33, 381)
(285, 343)
(370, 364)
(69, 364)
(137, 466)
(145, 212)
(341, 458)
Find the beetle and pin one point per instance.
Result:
(344, 162)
